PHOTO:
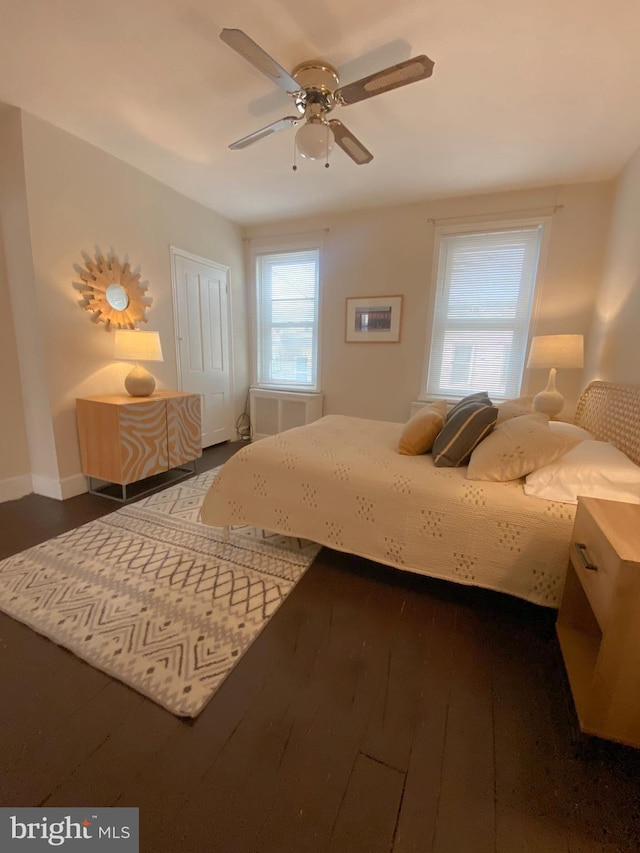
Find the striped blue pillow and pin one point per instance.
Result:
(464, 429)
(479, 396)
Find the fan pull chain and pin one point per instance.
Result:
(326, 164)
(295, 152)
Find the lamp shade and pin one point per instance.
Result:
(556, 351)
(134, 345)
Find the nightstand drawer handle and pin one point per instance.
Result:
(581, 551)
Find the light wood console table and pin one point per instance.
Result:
(599, 619)
(124, 439)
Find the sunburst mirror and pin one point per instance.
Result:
(112, 292)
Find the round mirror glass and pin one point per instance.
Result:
(117, 297)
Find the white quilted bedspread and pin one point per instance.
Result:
(340, 482)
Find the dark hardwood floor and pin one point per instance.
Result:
(377, 711)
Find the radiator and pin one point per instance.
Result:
(416, 405)
(275, 411)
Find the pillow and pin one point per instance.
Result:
(462, 432)
(514, 408)
(479, 396)
(420, 430)
(516, 447)
(569, 429)
(594, 469)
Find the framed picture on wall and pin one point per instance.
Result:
(373, 319)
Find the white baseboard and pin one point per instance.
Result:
(46, 486)
(59, 489)
(72, 486)
(15, 487)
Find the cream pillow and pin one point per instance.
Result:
(514, 408)
(571, 429)
(421, 430)
(517, 447)
(595, 469)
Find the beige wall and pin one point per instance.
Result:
(14, 454)
(614, 351)
(390, 251)
(29, 435)
(69, 197)
(78, 198)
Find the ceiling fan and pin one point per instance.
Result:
(315, 87)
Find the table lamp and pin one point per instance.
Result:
(134, 345)
(554, 351)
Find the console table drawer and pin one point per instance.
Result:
(595, 561)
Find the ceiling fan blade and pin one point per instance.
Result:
(349, 144)
(257, 135)
(410, 71)
(253, 53)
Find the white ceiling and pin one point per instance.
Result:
(524, 93)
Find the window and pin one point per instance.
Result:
(287, 284)
(485, 285)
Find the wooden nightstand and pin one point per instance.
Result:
(599, 619)
(125, 439)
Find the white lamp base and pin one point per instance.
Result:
(550, 401)
(139, 382)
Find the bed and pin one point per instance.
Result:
(339, 481)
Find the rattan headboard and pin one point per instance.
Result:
(611, 411)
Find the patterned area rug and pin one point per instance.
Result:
(151, 596)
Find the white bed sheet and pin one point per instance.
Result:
(340, 482)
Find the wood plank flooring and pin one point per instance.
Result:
(377, 711)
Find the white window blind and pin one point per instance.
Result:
(485, 286)
(287, 318)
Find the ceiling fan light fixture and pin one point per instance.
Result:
(314, 140)
(315, 87)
